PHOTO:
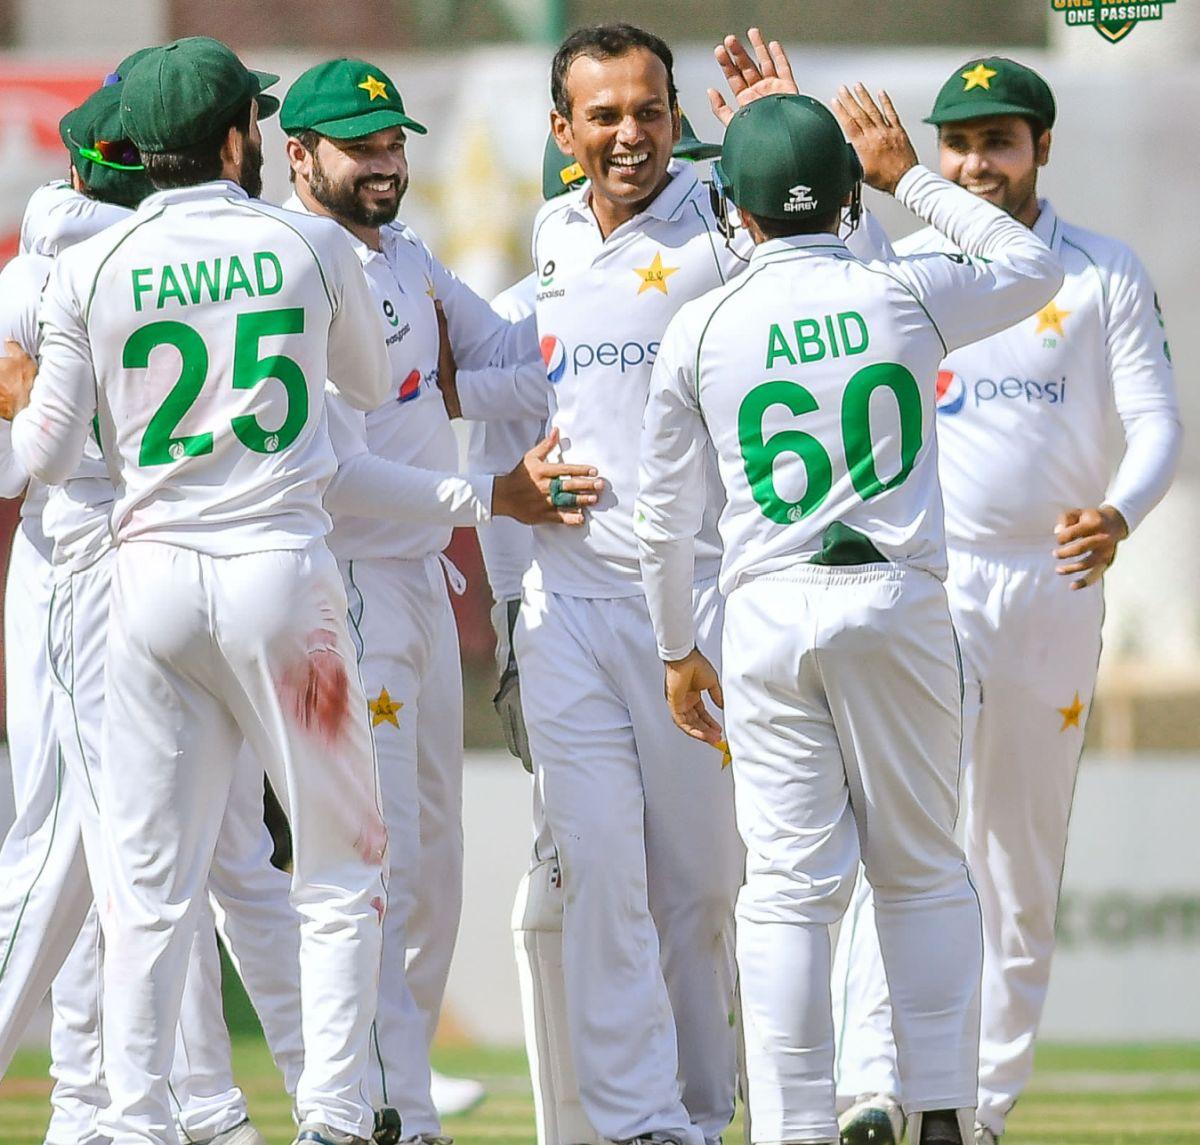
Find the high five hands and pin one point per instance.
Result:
(767, 72)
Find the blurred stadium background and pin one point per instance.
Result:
(476, 72)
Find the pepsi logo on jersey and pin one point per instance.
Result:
(410, 387)
(626, 356)
(952, 391)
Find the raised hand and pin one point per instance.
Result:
(877, 135)
(768, 72)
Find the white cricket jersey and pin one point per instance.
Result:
(602, 306)
(495, 446)
(21, 282)
(74, 515)
(57, 216)
(200, 332)
(411, 427)
(1022, 415)
(813, 376)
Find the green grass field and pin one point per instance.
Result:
(1092, 1095)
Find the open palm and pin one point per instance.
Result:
(767, 72)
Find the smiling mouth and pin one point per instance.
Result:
(379, 186)
(988, 188)
(629, 163)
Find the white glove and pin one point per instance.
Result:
(507, 699)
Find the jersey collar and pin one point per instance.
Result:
(387, 234)
(665, 206)
(217, 189)
(798, 244)
(1048, 228)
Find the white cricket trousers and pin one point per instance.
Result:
(49, 932)
(249, 897)
(202, 651)
(403, 626)
(1030, 649)
(842, 706)
(643, 820)
(44, 890)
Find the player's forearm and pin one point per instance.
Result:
(1153, 443)
(982, 230)
(481, 337)
(668, 572)
(507, 548)
(504, 393)
(367, 485)
(48, 440)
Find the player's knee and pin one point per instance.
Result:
(789, 897)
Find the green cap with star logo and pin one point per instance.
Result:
(784, 157)
(179, 94)
(993, 85)
(344, 99)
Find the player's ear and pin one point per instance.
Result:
(676, 122)
(232, 150)
(1041, 148)
(560, 128)
(299, 159)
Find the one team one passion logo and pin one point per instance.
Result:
(1114, 21)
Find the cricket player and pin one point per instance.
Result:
(812, 379)
(507, 553)
(347, 128)
(1034, 513)
(47, 905)
(643, 820)
(199, 335)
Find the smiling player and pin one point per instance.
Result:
(1034, 513)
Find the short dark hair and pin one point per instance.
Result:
(1036, 126)
(782, 228)
(198, 162)
(605, 42)
(308, 139)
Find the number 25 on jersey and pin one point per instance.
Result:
(160, 445)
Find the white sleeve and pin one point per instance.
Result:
(502, 393)
(1005, 274)
(669, 509)
(358, 365)
(366, 485)
(480, 337)
(868, 240)
(13, 477)
(1143, 386)
(50, 433)
(507, 545)
(57, 216)
(21, 283)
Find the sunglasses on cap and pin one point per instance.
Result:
(119, 154)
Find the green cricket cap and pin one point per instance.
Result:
(690, 146)
(562, 173)
(784, 157)
(344, 99)
(993, 85)
(126, 66)
(107, 162)
(179, 94)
